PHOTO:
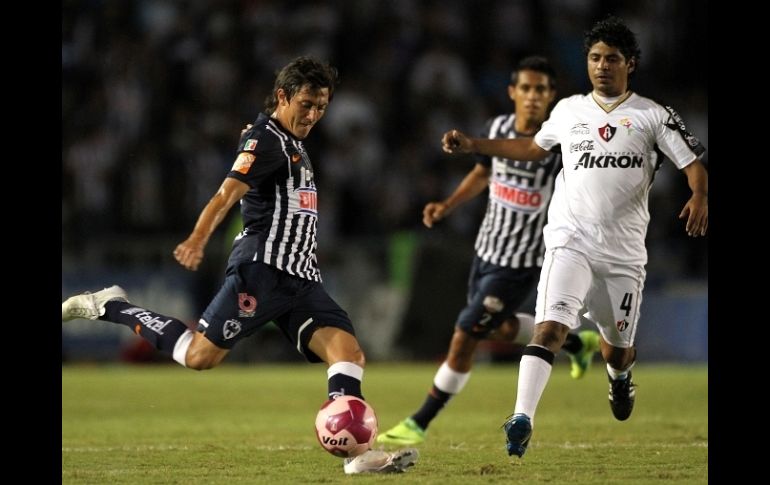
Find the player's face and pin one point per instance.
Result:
(532, 95)
(608, 69)
(300, 113)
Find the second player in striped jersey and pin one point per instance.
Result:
(509, 248)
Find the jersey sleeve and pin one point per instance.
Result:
(548, 136)
(259, 156)
(678, 144)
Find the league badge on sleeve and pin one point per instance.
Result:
(243, 162)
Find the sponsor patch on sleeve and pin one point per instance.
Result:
(250, 145)
(243, 162)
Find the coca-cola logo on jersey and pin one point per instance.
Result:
(583, 146)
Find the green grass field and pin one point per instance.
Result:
(254, 424)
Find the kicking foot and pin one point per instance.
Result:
(380, 461)
(90, 305)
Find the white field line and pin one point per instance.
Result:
(110, 449)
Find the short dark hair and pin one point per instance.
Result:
(613, 32)
(299, 72)
(537, 64)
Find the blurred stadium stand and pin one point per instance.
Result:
(154, 95)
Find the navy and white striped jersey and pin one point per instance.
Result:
(511, 234)
(280, 210)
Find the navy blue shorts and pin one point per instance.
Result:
(494, 295)
(255, 294)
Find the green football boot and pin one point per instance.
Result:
(407, 432)
(582, 360)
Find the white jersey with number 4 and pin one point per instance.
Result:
(599, 205)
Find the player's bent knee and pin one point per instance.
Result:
(202, 354)
(199, 361)
(196, 362)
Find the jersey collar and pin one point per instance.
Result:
(611, 106)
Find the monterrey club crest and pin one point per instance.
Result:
(607, 132)
(231, 329)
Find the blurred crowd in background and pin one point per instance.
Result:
(155, 93)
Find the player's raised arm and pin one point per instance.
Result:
(455, 141)
(696, 210)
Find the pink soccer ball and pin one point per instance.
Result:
(346, 426)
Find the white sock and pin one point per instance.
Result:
(181, 346)
(619, 374)
(450, 381)
(533, 376)
(526, 328)
(346, 368)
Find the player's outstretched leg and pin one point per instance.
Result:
(380, 461)
(91, 305)
(112, 305)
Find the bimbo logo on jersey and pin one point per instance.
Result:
(308, 201)
(520, 198)
(606, 161)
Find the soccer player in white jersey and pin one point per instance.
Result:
(597, 221)
(509, 249)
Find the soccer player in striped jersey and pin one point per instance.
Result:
(611, 139)
(509, 248)
(272, 273)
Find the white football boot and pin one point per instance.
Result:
(90, 305)
(380, 461)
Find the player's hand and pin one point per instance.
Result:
(189, 253)
(456, 142)
(697, 213)
(248, 127)
(434, 211)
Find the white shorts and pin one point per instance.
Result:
(608, 294)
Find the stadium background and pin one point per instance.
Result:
(154, 94)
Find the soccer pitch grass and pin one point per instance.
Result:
(254, 424)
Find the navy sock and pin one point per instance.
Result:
(161, 331)
(435, 401)
(344, 385)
